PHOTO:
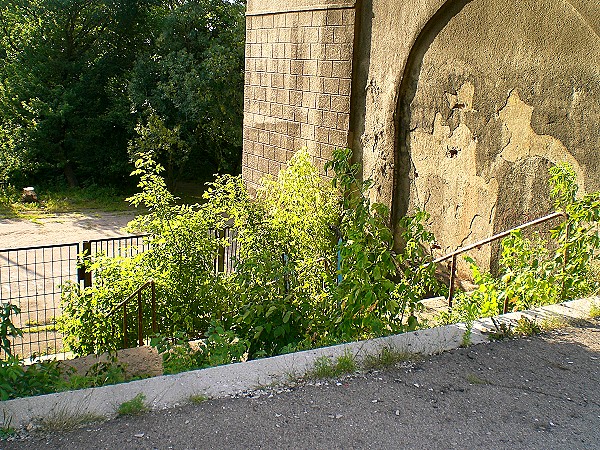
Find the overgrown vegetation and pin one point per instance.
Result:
(535, 271)
(314, 266)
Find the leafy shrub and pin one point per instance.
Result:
(286, 258)
(17, 380)
(315, 265)
(379, 291)
(220, 347)
(7, 328)
(534, 272)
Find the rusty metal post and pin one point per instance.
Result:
(153, 287)
(125, 340)
(82, 273)
(565, 260)
(221, 252)
(140, 319)
(452, 277)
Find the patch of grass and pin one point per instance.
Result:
(63, 419)
(474, 379)
(595, 311)
(196, 399)
(137, 405)
(325, 367)
(61, 200)
(387, 357)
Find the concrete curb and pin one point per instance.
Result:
(172, 390)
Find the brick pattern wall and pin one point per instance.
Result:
(297, 87)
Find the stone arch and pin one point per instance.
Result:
(474, 140)
(406, 92)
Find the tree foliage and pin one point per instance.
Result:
(77, 76)
(192, 80)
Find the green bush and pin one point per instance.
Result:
(535, 272)
(379, 291)
(17, 380)
(315, 265)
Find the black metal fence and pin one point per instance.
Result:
(31, 278)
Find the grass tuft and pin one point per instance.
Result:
(137, 405)
(63, 419)
(325, 367)
(387, 357)
(474, 379)
(196, 399)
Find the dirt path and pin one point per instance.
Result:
(62, 228)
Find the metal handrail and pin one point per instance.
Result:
(123, 304)
(485, 241)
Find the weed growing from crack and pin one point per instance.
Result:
(522, 328)
(385, 358)
(137, 405)
(196, 399)
(6, 429)
(474, 379)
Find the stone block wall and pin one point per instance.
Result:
(298, 84)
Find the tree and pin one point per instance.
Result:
(63, 97)
(191, 81)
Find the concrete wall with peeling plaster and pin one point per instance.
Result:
(461, 106)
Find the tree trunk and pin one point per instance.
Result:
(70, 175)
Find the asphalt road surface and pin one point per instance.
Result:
(532, 393)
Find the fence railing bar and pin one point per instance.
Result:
(120, 305)
(453, 255)
(37, 247)
(498, 236)
(118, 238)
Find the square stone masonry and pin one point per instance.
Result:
(297, 87)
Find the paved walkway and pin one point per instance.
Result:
(63, 228)
(534, 393)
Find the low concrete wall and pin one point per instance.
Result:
(172, 390)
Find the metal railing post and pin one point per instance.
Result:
(221, 252)
(125, 340)
(140, 319)
(452, 277)
(153, 287)
(82, 273)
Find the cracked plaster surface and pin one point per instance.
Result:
(446, 181)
